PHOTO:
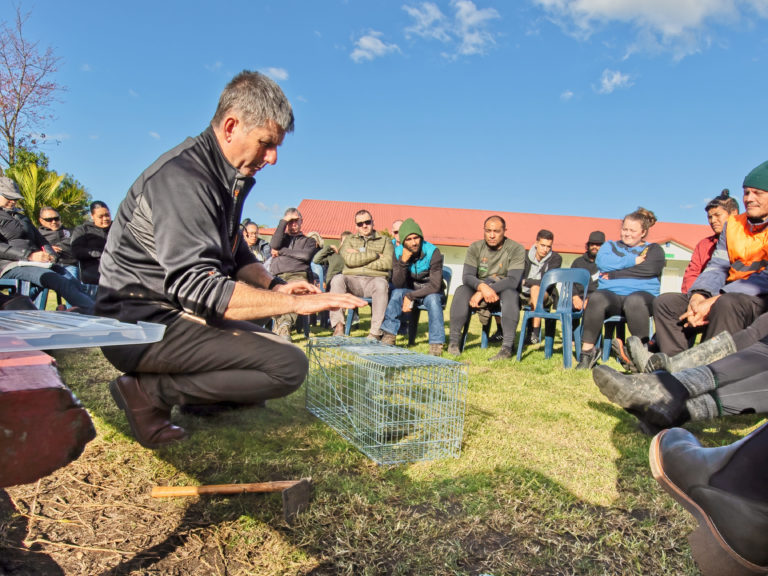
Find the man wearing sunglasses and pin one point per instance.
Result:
(367, 264)
(26, 255)
(59, 238)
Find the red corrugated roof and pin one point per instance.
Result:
(461, 226)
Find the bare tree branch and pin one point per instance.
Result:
(27, 87)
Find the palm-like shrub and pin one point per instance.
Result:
(41, 187)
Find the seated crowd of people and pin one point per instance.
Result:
(399, 271)
(722, 289)
(51, 256)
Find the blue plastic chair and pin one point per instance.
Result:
(37, 294)
(350, 314)
(615, 327)
(484, 332)
(566, 278)
(413, 321)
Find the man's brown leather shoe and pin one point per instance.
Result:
(151, 426)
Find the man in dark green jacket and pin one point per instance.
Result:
(493, 268)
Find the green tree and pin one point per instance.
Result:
(42, 187)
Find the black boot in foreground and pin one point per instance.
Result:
(717, 487)
(657, 400)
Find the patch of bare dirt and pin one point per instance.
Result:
(88, 518)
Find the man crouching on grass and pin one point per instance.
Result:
(176, 256)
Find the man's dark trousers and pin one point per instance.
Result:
(226, 361)
(731, 313)
(509, 304)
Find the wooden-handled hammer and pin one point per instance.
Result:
(295, 492)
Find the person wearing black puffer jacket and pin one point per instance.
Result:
(26, 255)
(59, 238)
(88, 241)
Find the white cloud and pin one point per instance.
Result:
(471, 25)
(85, 67)
(155, 135)
(612, 80)
(215, 67)
(132, 93)
(567, 95)
(277, 74)
(761, 7)
(677, 26)
(430, 22)
(371, 46)
(468, 29)
(273, 210)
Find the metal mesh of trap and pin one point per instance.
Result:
(394, 405)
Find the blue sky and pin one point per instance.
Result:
(581, 107)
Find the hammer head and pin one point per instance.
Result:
(296, 499)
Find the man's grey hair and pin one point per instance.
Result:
(257, 99)
(291, 211)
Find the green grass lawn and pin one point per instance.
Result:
(552, 479)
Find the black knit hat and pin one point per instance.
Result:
(596, 237)
(758, 178)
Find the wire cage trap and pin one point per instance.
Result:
(392, 404)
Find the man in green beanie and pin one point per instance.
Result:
(732, 291)
(417, 279)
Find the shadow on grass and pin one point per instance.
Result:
(195, 517)
(634, 475)
(442, 518)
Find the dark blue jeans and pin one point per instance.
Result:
(57, 279)
(432, 302)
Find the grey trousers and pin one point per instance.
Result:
(226, 361)
(374, 287)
